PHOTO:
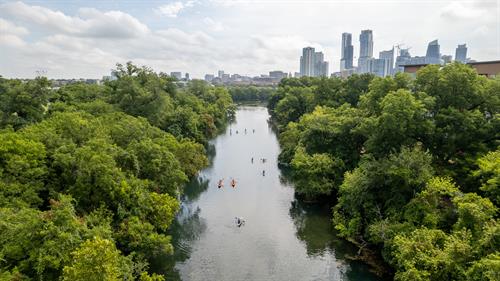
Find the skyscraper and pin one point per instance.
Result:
(461, 53)
(307, 62)
(347, 51)
(313, 63)
(322, 69)
(365, 50)
(433, 54)
(366, 43)
(220, 73)
(388, 57)
(320, 65)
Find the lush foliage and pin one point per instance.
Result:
(250, 93)
(413, 165)
(90, 174)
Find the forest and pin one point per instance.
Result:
(410, 164)
(250, 93)
(90, 175)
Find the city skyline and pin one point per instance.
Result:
(86, 39)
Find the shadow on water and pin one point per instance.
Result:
(315, 229)
(211, 152)
(187, 227)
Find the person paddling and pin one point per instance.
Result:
(233, 183)
(239, 221)
(220, 184)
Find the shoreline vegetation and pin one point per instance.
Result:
(243, 94)
(411, 166)
(90, 175)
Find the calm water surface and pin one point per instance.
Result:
(283, 239)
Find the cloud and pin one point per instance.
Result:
(10, 34)
(478, 10)
(79, 46)
(245, 37)
(7, 27)
(88, 23)
(213, 25)
(174, 8)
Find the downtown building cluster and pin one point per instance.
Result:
(388, 62)
(385, 65)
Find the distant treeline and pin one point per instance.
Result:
(250, 93)
(411, 165)
(90, 175)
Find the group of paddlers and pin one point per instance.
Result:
(231, 131)
(221, 183)
(239, 220)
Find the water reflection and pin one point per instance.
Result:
(313, 227)
(193, 189)
(187, 227)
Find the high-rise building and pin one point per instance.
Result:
(322, 69)
(320, 65)
(186, 76)
(347, 52)
(366, 43)
(209, 77)
(307, 62)
(403, 58)
(461, 53)
(388, 56)
(378, 66)
(176, 74)
(313, 63)
(433, 54)
(365, 50)
(447, 58)
(220, 73)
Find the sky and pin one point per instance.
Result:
(85, 39)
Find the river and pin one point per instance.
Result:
(282, 239)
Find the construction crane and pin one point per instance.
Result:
(399, 47)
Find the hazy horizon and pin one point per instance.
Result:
(85, 39)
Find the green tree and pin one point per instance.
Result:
(23, 103)
(489, 171)
(97, 259)
(314, 174)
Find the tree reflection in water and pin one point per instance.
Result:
(186, 228)
(315, 229)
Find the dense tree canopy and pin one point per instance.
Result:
(412, 164)
(251, 93)
(90, 174)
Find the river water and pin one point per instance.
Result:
(282, 239)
